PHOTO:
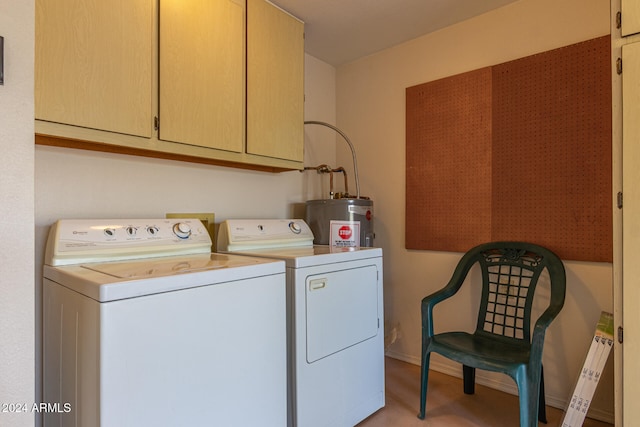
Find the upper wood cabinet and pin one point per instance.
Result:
(275, 82)
(194, 80)
(630, 13)
(202, 73)
(94, 63)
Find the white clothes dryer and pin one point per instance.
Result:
(144, 326)
(335, 320)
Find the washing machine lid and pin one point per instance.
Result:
(146, 269)
(114, 281)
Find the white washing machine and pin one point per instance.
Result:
(144, 326)
(335, 320)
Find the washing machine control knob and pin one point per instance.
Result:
(182, 230)
(295, 227)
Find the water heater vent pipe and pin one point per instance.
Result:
(353, 151)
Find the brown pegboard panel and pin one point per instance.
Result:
(518, 151)
(552, 151)
(448, 163)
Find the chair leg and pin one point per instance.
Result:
(469, 379)
(424, 379)
(542, 406)
(528, 397)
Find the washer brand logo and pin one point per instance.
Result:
(345, 232)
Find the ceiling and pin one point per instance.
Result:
(339, 31)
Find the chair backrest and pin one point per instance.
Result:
(510, 273)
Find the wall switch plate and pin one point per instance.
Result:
(208, 219)
(1, 60)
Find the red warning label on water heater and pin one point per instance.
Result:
(345, 234)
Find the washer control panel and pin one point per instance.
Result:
(78, 241)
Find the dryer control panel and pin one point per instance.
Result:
(249, 234)
(91, 240)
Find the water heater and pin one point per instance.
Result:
(320, 213)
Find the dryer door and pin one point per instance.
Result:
(341, 310)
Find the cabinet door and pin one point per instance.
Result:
(93, 64)
(631, 227)
(202, 73)
(275, 82)
(630, 17)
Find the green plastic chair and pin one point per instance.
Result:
(503, 341)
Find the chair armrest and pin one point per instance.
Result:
(540, 328)
(440, 295)
(454, 284)
(558, 292)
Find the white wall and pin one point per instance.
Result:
(320, 105)
(371, 109)
(16, 212)
(82, 184)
